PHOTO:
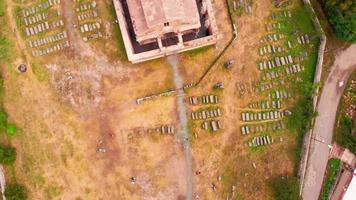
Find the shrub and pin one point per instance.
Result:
(15, 192)
(7, 155)
(11, 129)
(344, 133)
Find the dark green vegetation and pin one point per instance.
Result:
(342, 16)
(15, 192)
(285, 188)
(7, 155)
(346, 125)
(345, 137)
(334, 166)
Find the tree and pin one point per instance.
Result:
(15, 192)
(7, 155)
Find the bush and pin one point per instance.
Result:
(7, 155)
(15, 192)
(344, 133)
(285, 188)
(11, 129)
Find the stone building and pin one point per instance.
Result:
(155, 28)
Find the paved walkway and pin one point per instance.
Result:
(183, 134)
(342, 68)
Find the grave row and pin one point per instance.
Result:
(51, 49)
(268, 49)
(303, 39)
(260, 141)
(262, 86)
(35, 19)
(87, 15)
(277, 62)
(86, 6)
(39, 8)
(275, 104)
(164, 129)
(215, 125)
(260, 116)
(283, 60)
(47, 40)
(242, 4)
(279, 94)
(271, 75)
(205, 114)
(273, 26)
(205, 99)
(272, 38)
(294, 69)
(39, 28)
(259, 128)
(89, 27)
(167, 129)
(92, 36)
(285, 13)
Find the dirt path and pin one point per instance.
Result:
(183, 134)
(342, 68)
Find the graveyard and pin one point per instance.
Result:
(95, 126)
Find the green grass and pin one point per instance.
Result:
(118, 35)
(285, 188)
(195, 52)
(334, 165)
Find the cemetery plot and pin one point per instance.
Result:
(260, 141)
(262, 127)
(89, 23)
(207, 114)
(205, 99)
(274, 104)
(285, 58)
(43, 28)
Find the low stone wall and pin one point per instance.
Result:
(307, 140)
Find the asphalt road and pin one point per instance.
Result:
(344, 65)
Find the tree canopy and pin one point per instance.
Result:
(342, 16)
